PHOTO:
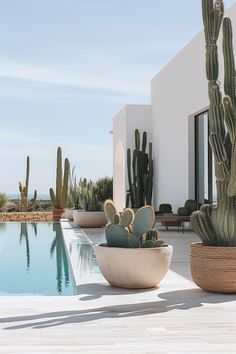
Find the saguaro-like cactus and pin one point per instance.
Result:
(140, 173)
(59, 199)
(216, 226)
(24, 190)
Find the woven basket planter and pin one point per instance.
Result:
(214, 268)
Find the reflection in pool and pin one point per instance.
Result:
(33, 260)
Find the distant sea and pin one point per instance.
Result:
(39, 197)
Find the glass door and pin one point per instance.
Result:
(204, 177)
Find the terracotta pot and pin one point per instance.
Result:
(68, 214)
(57, 213)
(133, 268)
(89, 219)
(214, 268)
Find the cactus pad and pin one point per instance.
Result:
(144, 220)
(117, 236)
(110, 210)
(134, 241)
(127, 218)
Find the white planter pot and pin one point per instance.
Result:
(133, 268)
(68, 214)
(89, 218)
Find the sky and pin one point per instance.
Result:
(68, 66)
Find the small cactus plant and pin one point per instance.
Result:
(129, 230)
(59, 198)
(140, 173)
(25, 204)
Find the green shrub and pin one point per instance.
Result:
(104, 189)
(3, 200)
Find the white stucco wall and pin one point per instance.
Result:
(178, 91)
(131, 117)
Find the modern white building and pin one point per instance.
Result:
(177, 124)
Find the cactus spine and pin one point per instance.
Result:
(140, 173)
(216, 226)
(25, 204)
(59, 199)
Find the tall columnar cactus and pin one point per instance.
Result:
(59, 199)
(140, 173)
(25, 204)
(216, 226)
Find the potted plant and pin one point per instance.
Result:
(59, 197)
(92, 214)
(133, 256)
(73, 196)
(140, 173)
(213, 261)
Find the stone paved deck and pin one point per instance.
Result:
(176, 318)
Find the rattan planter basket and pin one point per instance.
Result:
(214, 268)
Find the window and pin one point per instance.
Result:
(205, 187)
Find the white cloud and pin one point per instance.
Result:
(78, 79)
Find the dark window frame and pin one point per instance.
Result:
(197, 160)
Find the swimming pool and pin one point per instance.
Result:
(33, 260)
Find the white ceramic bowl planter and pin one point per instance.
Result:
(68, 214)
(89, 219)
(133, 256)
(134, 268)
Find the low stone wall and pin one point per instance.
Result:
(34, 216)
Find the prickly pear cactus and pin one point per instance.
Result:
(216, 226)
(129, 231)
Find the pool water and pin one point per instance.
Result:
(33, 260)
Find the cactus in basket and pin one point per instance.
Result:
(25, 204)
(87, 196)
(216, 225)
(59, 197)
(131, 231)
(140, 173)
